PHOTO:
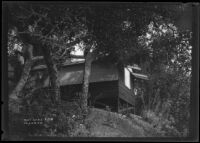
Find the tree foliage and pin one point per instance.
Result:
(40, 26)
(116, 29)
(169, 66)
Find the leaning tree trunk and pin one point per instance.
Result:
(53, 75)
(14, 100)
(86, 77)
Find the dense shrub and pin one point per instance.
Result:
(165, 126)
(51, 120)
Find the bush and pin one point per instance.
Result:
(161, 124)
(57, 120)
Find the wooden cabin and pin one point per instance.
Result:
(110, 86)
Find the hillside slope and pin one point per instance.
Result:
(101, 123)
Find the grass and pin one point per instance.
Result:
(108, 124)
(98, 123)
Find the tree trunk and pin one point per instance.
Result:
(143, 101)
(86, 77)
(155, 99)
(53, 75)
(14, 100)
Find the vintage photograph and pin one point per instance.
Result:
(91, 69)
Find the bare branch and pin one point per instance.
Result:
(53, 41)
(34, 59)
(64, 52)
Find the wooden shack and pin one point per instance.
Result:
(110, 85)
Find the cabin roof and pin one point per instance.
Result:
(137, 75)
(67, 63)
(135, 66)
(142, 76)
(74, 74)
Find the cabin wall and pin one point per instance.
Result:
(103, 72)
(100, 94)
(126, 94)
(106, 85)
(121, 76)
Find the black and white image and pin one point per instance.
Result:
(98, 69)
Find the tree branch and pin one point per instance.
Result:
(34, 59)
(53, 41)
